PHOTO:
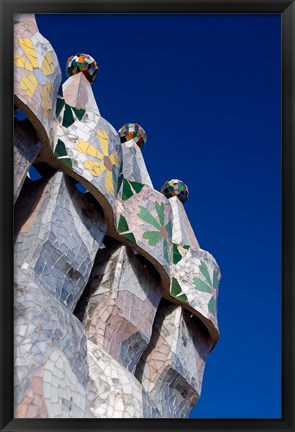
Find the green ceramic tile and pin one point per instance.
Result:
(212, 306)
(129, 236)
(176, 254)
(127, 192)
(79, 113)
(153, 237)
(176, 291)
(201, 286)
(68, 119)
(123, 225)
(59, 106)
(66, 161)
(136, 186)
(60, 149)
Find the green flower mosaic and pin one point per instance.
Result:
(210, 286)
(163, 231)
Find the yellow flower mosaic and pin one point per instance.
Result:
(106, 160)
(30, 82)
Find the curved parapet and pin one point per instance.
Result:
(195, 274)
(37, 75)
(85, 142)
(144, 216)
(85, 146)
(194, 280)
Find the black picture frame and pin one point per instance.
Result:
(287, 10)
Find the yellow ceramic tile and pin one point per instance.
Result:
(47, 65)
(28, 47)
(29, 84)
(96, 168)
(46, 101)
(22, 63)
(86, 148)
(109, 183)
(103, 141)
(114, 159)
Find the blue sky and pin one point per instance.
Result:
(206, 88)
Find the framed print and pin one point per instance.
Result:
(147, 216)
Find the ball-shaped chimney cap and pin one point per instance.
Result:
(82, 63)
(133, 131)
(175, 187)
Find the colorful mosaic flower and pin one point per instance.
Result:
(82, 63)
(209, 285)
(39, 74)
(105, 163)
(163, 231)
(175, 187)
(133, 131)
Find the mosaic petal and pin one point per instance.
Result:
(212, 306)
(96, 168)
(204, 270)
(103, 141)
(160, 210)
(86, 148)
(21, 62)
(109, 182)
(29, 84)
(147, 217)
(153, 237)
(47, 64)
(28, 47)
(201, 286)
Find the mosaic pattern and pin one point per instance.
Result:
(37, 74)
(149, 218)
(176, 188)
(58, 235)
(64, 396)
(133, 131)
(70, 113)
(100, 162)
(77, 93)
(195, 280)
(171, 369)
(26, 149)
(119, 304)
(182, 232)
(134, 168)
(85, 142)
(117, 393)
(94, 336)
(50, 355)
(82, 63)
